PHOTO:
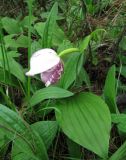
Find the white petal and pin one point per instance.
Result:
(29, 73)
(42, 61)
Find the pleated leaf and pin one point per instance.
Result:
(34, 149)
(84, 44)
(23, 137)
(70, 72)
(110, 90)
(11, 25)
(86, 120)
(49, 27)
(47, 131)
(47, 93)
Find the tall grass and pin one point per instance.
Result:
(4, 55)
(29, 2)
(6, 66)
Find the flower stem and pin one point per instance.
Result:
(68, 51)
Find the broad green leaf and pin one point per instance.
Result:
(35, 46)
(22, 41)
(10, 41)
(11, 125)
(3, 140)
(45, 15)
(39, 27)
(25, 22)
(47, 131)
(58, 35)
(11, 120)
(80, 63)
(70, 71)
(11, 25)
(66, 44)
(4, 144)
(50, 27)
(86, 120)
(17, 70)
(27, 150)
(13, 54)
(84, 44)
(17, 130)
(110, 90)
(47, 93)
(120, 154)
(14, 67)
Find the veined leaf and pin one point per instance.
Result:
(85, 119)
(34, 149)
(10, 42)
(39, 27)
(18, 131)
(50, 27)
(84, 43)
(58, 35)
(47, 131)
(22, 41)
(47, 93)
(70, 71)
(11, 119)
(110, 90)
(25, 21)
(11, 25)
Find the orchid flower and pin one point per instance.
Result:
(48, 64)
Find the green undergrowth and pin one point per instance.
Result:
(82, 117)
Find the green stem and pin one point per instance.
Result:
(29, 44)
(68, 51)
(3, 56)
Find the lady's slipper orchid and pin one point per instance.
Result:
(48, 64)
